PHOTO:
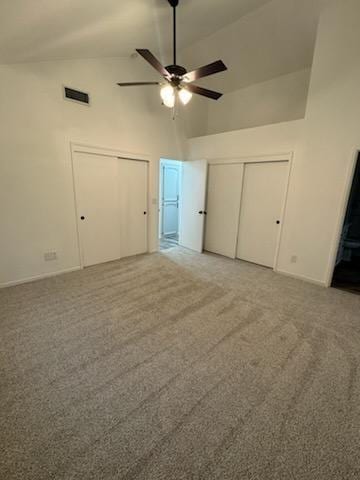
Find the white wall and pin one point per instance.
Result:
(331, 136)
(269, 140)
(37, 125)
(324, 144)
(195, 117)
(280, 99)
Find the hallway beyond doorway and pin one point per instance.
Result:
(169, 194)
(169, 241)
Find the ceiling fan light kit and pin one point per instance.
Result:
(185, 96)
(178, 82)
(167, 94)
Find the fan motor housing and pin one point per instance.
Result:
(176, 70)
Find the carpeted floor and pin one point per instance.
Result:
(179, 366)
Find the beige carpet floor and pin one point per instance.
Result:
(179, 366)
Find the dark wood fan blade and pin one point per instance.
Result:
(137, 84)
(203, 91)
(154, 62)
(201, 72)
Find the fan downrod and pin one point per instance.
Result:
(176, 75)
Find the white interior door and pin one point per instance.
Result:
(193, 192)
(97, 206)
(170, 200)
(133, 193)
(223, 208)
(263, 192)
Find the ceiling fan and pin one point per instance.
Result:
(178, 80)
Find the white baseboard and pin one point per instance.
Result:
(38, 277)
(303, 277)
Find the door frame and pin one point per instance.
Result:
(105, 152)
(341, 216)
(272, 158)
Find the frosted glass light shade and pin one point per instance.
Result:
(185, 96)
(168, 95)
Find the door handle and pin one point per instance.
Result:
(278, 222)
(201, 212)
(82, 217)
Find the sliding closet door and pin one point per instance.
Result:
(133, 193)
(96, 178)
(262, 200)
(223, 207)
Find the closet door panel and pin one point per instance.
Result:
(96, 178)
(262, 201)
(223, 207)
(133, 194)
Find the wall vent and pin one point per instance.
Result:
(76, 96)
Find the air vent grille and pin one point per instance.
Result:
(76, 95)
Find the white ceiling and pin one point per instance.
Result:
(36, 30)
(257, 39)
(275, 39)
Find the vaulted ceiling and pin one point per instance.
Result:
(257, 39)
(35, 30)
(275, 39)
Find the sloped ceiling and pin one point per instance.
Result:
(257, 39)
(275, 39)
(36, 30)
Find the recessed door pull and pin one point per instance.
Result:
(145, 213)
(278, 222)
(82, 217)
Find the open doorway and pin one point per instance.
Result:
(169, 211)
(347, 269)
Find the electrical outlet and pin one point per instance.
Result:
(50, 256)
(294, 259)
